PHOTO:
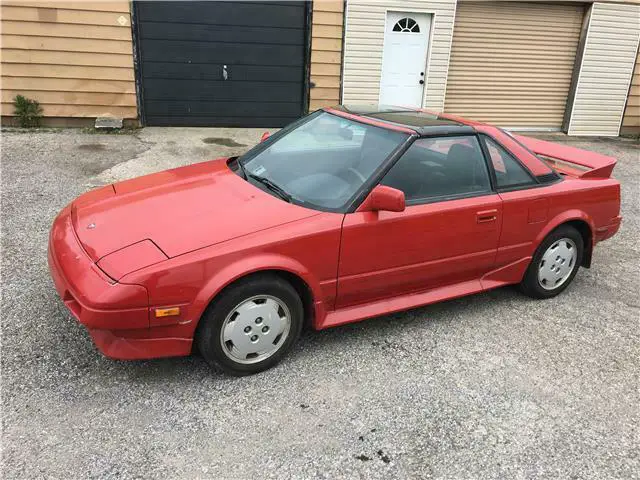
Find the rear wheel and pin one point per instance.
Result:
(554, 264)
(251, 325)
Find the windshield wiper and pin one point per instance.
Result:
(271, 186)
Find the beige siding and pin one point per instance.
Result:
(511, 63)
(75, 58)
(607, 66)
(631, 119)
(326, 51)
(364, 38)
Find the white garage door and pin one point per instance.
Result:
(511, 63)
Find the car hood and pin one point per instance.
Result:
(179, 210)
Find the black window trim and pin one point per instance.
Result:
(378, 175)
(356, 200)
(359, 196)
(448, 198)
(395, 156)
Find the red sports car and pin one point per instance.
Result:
(343, 215)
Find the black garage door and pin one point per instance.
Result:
(231, 64)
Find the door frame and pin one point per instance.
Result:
(306, 81)
(137, 59)
(137, 63)
(431, 18)
(432, 14)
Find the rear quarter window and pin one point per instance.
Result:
(509, 172)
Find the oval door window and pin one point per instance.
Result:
(406, 25)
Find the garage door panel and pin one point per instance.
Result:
(209, 63)
(213, 71)
(506, 70)
(471, 59)
(265, 14)
(221, 33)
(512, 62)
(510, 27)
(202, 52)
(156, 89)
(222, 108)
(221, 121)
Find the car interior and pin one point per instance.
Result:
(455, 168)
(331, 163)
(330, 175)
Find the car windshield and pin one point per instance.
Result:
(320, 161)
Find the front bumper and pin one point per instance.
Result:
(116, 314)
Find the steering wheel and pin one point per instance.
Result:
(356, 173)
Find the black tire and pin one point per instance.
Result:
(530, 284)
(208, 336)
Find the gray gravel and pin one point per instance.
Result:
(490, 386)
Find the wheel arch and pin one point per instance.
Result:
(578, 220)
(587, 237)
(288, 269)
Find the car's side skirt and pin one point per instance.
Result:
(505, 275)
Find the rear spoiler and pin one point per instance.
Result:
(570, 160)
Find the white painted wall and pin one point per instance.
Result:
(603, 81)
(606, 70)
(364, 43)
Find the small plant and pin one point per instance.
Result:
(29, 112)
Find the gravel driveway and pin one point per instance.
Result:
(490, 386)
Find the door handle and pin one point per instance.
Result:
(487, 216)
(421, 82)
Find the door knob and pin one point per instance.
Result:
(421, 82)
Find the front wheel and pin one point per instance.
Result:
(251, 325)
(555, 263)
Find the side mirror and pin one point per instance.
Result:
(383, 198)
(265, 135)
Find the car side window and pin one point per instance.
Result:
(440, 168)
(509, 172)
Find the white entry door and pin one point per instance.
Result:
(404, 59)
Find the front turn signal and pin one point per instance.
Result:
(167, 312)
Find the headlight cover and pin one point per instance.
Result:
(131, 258)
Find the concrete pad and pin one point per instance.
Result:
(491, 386)
(178, 146)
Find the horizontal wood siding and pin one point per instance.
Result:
(631, 119)
(364, 43)
(326, 53)
(607, 67)
(512, 62)
(75, 58)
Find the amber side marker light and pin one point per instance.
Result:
(167, 312)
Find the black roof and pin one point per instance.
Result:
(424, 123)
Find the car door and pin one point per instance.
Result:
(447, 234)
